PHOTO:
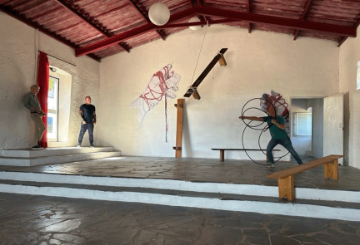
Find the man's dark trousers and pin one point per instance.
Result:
(90, 128)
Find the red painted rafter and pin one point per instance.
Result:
(34, 25)
(201, 23)
(99, 26)
(280, 21)
(199, 4)
(142, 11)
(250, 17)
(24, 11)
(4, 1)
(342, 39)
(248, 9)
(303, 15)
(131, 33)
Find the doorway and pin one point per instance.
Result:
(306, 118)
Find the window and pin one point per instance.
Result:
(53, 109)
(303, 124)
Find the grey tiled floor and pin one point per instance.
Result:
(44, 220)
(48, 220)
(199, 170)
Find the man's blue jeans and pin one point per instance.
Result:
(286, 142)
(90, 128)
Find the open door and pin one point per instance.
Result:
(333, 125)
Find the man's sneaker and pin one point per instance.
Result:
(36, 147)
(78, 145)
(92, 145)
(271, 166)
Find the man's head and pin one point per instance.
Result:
(35, 89)
(88, 100)
(271, 111)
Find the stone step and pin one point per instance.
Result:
(229, 202)
(28, 153)
(311, 194)
(56, 159)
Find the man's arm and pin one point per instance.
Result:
(82, 116)
(252, 118)
(94, 116)
(27, 104)
(279, 125)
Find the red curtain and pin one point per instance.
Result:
(43, 83)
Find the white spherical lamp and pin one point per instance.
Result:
(159, 14)
(194, 19)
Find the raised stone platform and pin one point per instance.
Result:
(200, 183)
(34, 157)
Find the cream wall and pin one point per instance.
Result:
(257, 63)
(302, 144)
(18, 51)
(349, 55)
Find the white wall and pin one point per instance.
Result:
(349, 55)
(302, 144)
(318, 127)
(18, 48)
(257, 63)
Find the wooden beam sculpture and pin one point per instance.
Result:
(179, 127)
(193, 88)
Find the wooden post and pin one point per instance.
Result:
(222, 61)
(286, 188)
(179, 127)
(222, 154)
(196, 95)
(331, 169)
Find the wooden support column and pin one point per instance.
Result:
(179, 127)
(331, 169)
(222, 61)
(286, 188)
(222, 155)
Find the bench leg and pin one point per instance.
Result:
(222, 153)
(286, 188)
(331, 169)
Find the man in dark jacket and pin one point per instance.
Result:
(88, 116)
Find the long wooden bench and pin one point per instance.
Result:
(286, 177)
(222, 151)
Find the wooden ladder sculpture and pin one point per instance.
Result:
(179, 127)
(193, 88)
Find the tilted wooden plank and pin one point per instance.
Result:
(302, 167)
(240, 149)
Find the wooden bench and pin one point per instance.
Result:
(286, 177)
(222, 151)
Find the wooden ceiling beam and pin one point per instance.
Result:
(131, 33)
(227, 14)
(280, 21)
(142, 11)
(303, 15)
(89, 20)
(342, 39)
(200, 23)
(24, 11)
(34, 25)
(4, 1)
(248, 9)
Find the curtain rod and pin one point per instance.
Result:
(57, 58)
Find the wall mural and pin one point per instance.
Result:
(163, 83)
